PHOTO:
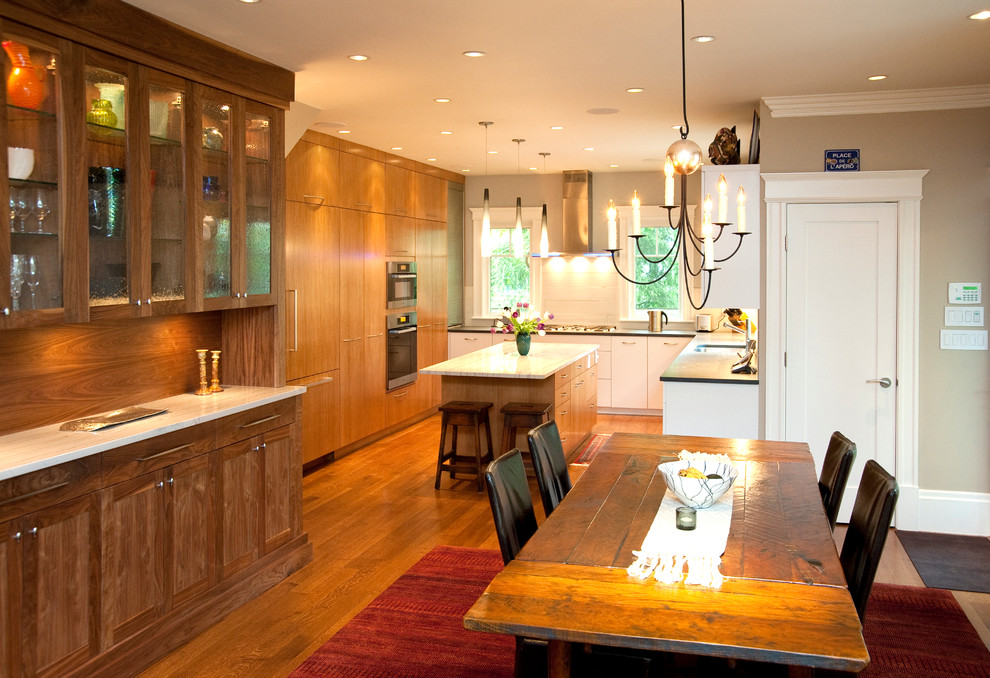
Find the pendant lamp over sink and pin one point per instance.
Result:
(684, 158)
(517, 233)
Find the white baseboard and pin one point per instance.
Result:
(944, 511)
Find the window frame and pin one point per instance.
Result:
(505, 217)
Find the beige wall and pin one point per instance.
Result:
(954, 386)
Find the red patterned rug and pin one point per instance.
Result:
(590, 449)
(414, 629)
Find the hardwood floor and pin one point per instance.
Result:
(370, 516)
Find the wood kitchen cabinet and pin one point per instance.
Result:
(431, 197)
(312, 174)
(400, 239)
(54, 582)
(320, 414)
(431, 307)
(362, 183)
(312, 289)
(400, 190)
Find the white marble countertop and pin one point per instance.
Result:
(503, 361)
(46, 446)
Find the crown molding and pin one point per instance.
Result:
(897, 101)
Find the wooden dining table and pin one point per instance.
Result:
(784, 599)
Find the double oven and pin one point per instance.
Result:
(400, 363)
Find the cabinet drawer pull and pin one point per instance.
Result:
(33, 494)
(398, 211)
(314, 197)
(362, 204)
(260, 421)
(295, 320)
(160, 485)
(631, 343)
(17, 537)
(470, 338)
(320, 382)
(162, 454)
(401, 395)
(372, 336)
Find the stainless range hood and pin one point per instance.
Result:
(577, 226)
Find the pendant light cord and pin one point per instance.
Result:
(686, 128)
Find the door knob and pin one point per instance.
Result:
(885, 382)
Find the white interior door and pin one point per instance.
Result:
(841, 300)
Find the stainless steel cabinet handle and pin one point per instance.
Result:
(884, 382)
(148, 301)
(6, 310)
(160, 485)
(137, 303)
(17, 537)
(34, 532)
(362, 204)
(162, 454)
(314, 197)
(632, 343)
(470, 338)
(372, 336)
(295, 320)
(260, 421)
(32, 494)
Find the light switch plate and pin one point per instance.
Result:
(965, 293)
(963, 316)
(964, 340)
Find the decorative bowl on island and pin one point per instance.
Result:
(699, 493)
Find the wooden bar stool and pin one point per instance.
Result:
(459, 413)
(521, 417)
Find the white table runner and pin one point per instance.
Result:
(667, 551)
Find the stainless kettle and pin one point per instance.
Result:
(657, 320)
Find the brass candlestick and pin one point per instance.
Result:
(204, 385)
(215, 386)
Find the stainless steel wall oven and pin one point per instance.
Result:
(400, 363)
(401, 283)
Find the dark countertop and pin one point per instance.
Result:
(714, 367)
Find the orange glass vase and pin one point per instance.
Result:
(24, 87)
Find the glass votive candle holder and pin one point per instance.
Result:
(687, 518)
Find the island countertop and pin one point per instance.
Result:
(543, 361)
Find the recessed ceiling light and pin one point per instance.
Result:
(473, 53)
(634, 90)
(442, 100)
(589, 148)
(445, 131)
(557, 127)
(250, 2)
(358, 57)
(431, 160)
(397, 148)
(492, 152)
(703, 38)
(465, 170)
(877, 77)
(981, 16)
(613, 165)
(343, 131)
(533, 169)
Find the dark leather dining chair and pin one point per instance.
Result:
(863, 545)
(511, 502)
(839, 459)
(547, 453)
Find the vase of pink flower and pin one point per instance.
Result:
(522, 322)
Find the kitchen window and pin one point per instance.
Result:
(503, 278)
(667, 294)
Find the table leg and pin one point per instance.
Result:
(559, 659)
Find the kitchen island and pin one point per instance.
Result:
(562, 374)
(702, 396)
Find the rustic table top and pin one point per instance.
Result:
(784, 599)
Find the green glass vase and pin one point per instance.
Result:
(522, 343)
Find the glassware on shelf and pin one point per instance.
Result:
(22, 209)
(13, 212)
(32, 278)
(16, 279)
(41, 211)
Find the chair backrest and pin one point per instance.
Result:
(547, 453)
(512, 505)
(867, 533)
(835, 474)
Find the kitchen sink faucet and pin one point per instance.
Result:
(744, 366)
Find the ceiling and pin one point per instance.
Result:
(569, 63)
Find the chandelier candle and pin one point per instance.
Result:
(668, 182)
(636, 215)
(706, 220)
(723, 198)
(613, 238)
(741, 210)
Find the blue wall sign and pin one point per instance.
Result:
(843, 160)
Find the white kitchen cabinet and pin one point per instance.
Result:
(461, 343)
(629, 366)
(737, 282)
(661, 352)
(693, 408)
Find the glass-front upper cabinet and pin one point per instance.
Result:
(167, 203)
(215, 126)
(107, 182)
(258, 241)
(31, 248)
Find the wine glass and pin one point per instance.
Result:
(32, 278)
(41, 211)
(22, 210)
(16, 278)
